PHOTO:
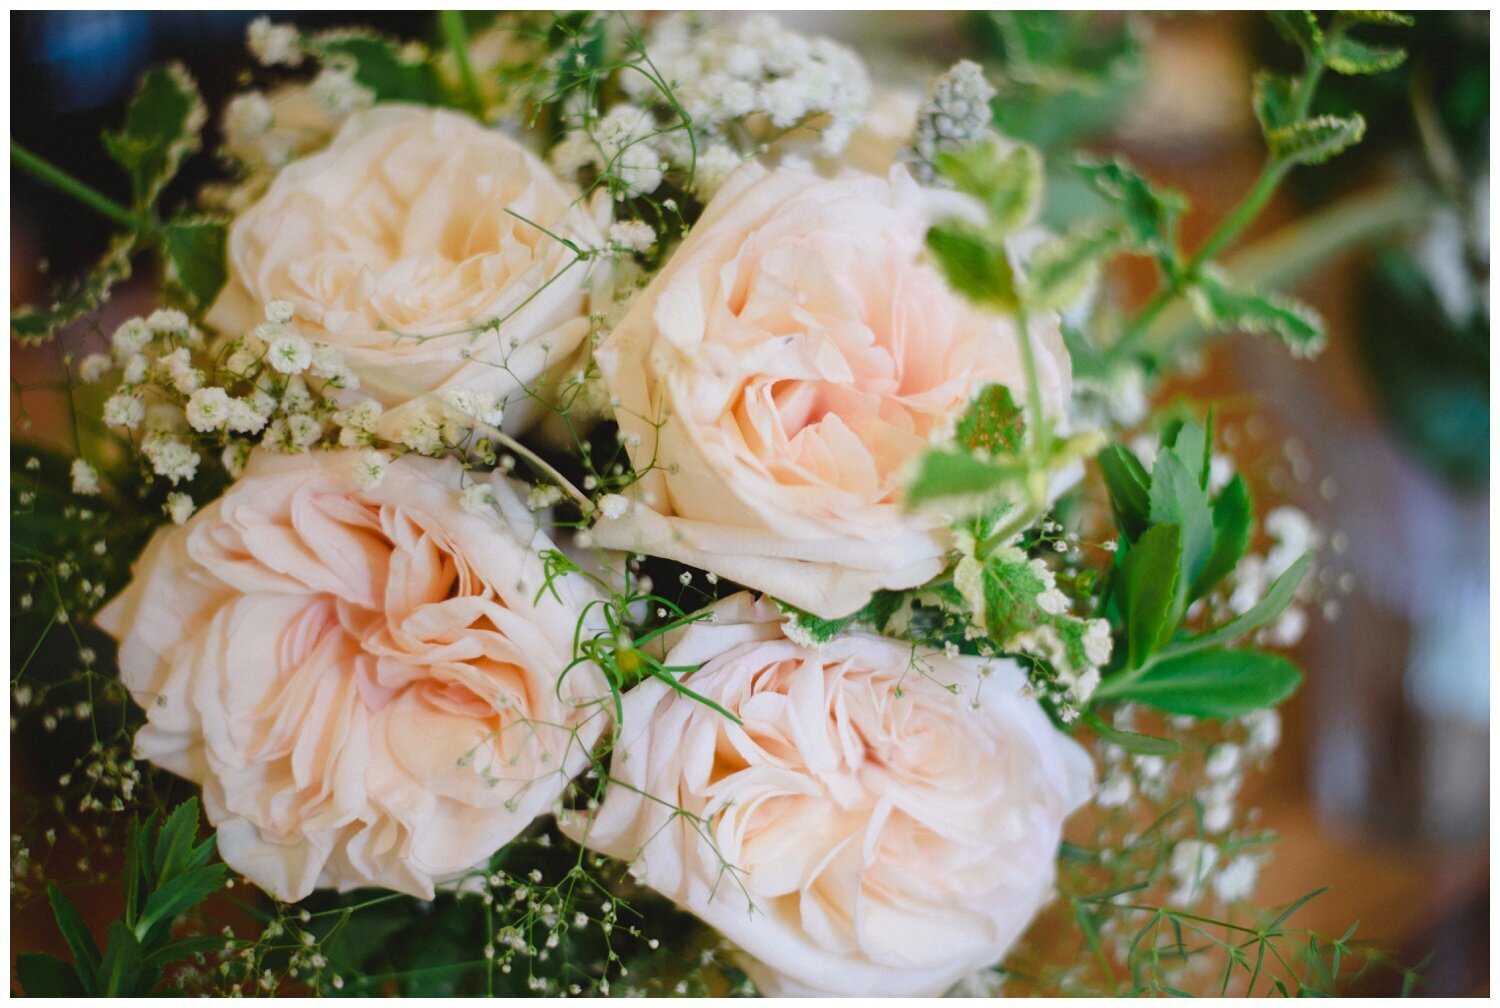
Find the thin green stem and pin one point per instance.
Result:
(457, 37)
(1241, 217)
(90, 197)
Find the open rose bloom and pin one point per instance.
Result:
(883, 820)
(368, 684)
(404, 242)
(783, 371)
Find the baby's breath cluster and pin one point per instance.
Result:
(702, 98)
(954, 115)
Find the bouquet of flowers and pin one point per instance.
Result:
(610, 504)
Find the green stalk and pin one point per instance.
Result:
(457, 37)
(1292, 252)
(90, 197)
(1240, 218)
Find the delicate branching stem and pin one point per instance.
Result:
(457, 37)
(90, 197)
(1242, 216)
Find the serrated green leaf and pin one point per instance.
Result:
(120, 968)
(380, 68)
(173, 897)
(194, 248)
(806, 629)
(1132, 742)
(1300, 28)
(1062, 268)
(35, 325)
(975, 266)
(1313, 141)
(1007, 181)
(1209, 684)
(161, 129)
(1149, 214)
(1148, 590)
(950, 475)
(1221, 308)
(43, 975)
(1232, 516)
(174, 844)
(76, 934)
(1379, 17)
(992, 424)
(1351, 57)
(1268, 608)
(1129, 488)
(1177, 498)
(1273, 100)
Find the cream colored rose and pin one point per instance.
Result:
(365, 683)
(782, 372)
(405, 242)
(883, 821)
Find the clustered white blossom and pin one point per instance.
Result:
(274, 44)
(955, 114)
(752, 74)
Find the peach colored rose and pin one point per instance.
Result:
(783, 371)
(360, 680)
(405, 237)
(865, 830)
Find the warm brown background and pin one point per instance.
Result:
(1413, 871)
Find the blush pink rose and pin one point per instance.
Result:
(397, 243)
(884, 821)
(781, 374)
(367, 684)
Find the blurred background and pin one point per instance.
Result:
(1380, 789)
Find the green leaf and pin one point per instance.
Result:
(1190, 442)
(76, 934)
(1348, 56)
(1379, 17)
(992, 424)
(43, 975)
(1149, 575)
(1273, 100)
(194, 248)
(35, 325)
(1221, 308)
(1132, 742)
(1149, 214)
(1062, 268)
(177, 895)
(950, 475)
(1178, 499)
(1007, 182)
(120, 969)
(1300, 28)
(1313, 141)
(380, 68)
(161, 129)
(1232, 515)
(976, 266)
(1268, 608)
(812, 631)
(1209, 684)
(1129, 488)
(174, 844)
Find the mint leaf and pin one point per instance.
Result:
(161, 129)
(974, 265)
(1062, 268)
(1221, 308)
(379, 66)
(992, 424)
(951, 475)
(1273, 100)
(1300, 28)
(1008, 182)
(1350, 57)
(1313, 141)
